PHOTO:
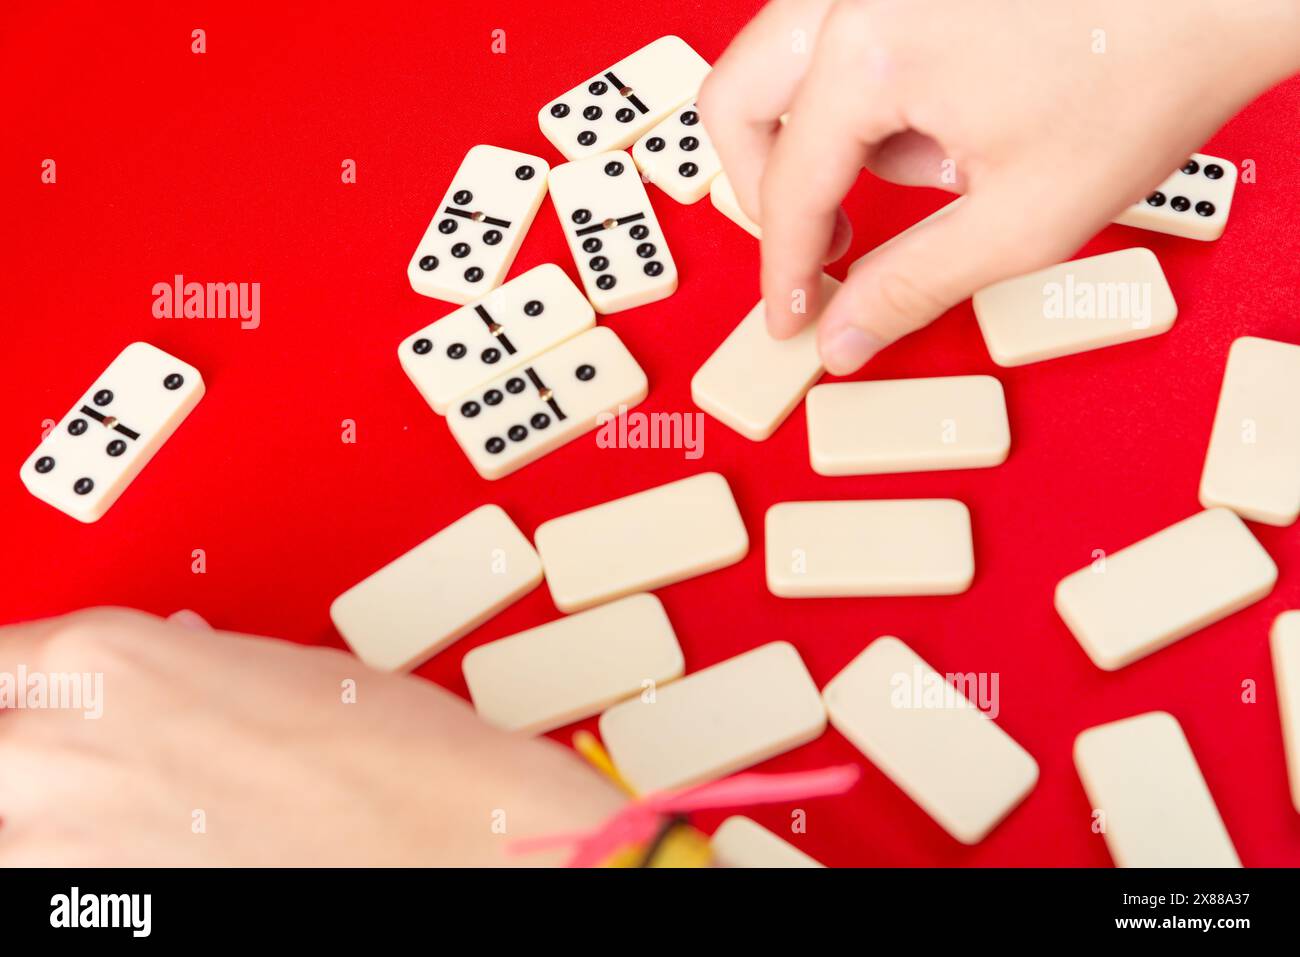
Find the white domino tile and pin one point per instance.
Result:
(103, 442)
(1149, 797)
(1253, 462)
(938, 747)
(742, 842)
(716, 721)
(572, 668)
(479, 224)
(610, 110)
(442, 589)
(752, 382)
(509, 326)
(516, 418)
(907, 425)
(724, 200)
(1285, 641)
(1186, 577)
(1075, 306)
(622, 256)
(641, 542)
(858, 549)
(677, 156)
(1193, 202)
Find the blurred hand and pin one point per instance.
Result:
(1053, 114)
(220, 749)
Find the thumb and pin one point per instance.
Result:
(990, 234)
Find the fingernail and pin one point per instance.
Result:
(189, 619)
(849, 349)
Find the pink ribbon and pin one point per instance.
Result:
(639, 821)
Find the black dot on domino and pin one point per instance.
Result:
(598, 263)
(540, 421)
(44, 464)
(428, 263)
(655, 144)
(591, 245)
(597, 87)
(473, 274)
(495, 445)
(613, 168)
(605, 281)
(463, 197)
(645, 250)
(456, 350)
(560, 110)
(103, 397)
(533, 307)
(654, 268)
(492, 397)
(1180, 204)
(639, 232)
(460, 250)
(1214, 171)
(581, 216)
(515, 385)
(421, 347)
(586, 138)
(173, 382)
(1192, 167)
(492, 237)
(688, 170)
(624, 115)
(83, 486)
(517, 433)
(1204, 208)
(524, 172)
(491, 356)
(592, 113)
(1156, 199)
(689, 143)
(690, 118)
(470, 409)
(447, 227)
(116, 448)
(76, 426)
(585, 373)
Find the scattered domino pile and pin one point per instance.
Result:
(523, 368)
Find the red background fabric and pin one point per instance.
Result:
(225, 166)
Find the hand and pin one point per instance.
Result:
(1052, 126)
(252, 738)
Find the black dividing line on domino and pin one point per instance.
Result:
(495, 329)
(116, 427)
(545, 393)
(597, 227)
(629, 95)
(490, 220)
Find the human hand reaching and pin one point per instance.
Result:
(219, 749)
(1052, 116)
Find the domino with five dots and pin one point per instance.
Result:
(95, 451)
(519, 416)
(610, 110)
(678, 156)
(509, 326)
(1193, 202)
(716, 721)
(612, 232)
(1141, 774)
(479, 224)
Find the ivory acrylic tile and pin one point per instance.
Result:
(940, 749)
(509, 326)
(1193, 202)
(611, 109)
(859, 549)
(752, 382)
(715, 722)
(1253, 462)
(1075, 306)
(574, 667)
(1186, 577)
(1285, 641)
(1140, 774)
(479, 225)
(516, 418)
(104, 441)
(724, 200)
(742, 842)
(678, 156)
(442, 589)
(612, 232)
(907, 425)
(641, 542)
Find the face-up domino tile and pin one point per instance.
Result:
(1192, 203)
(102, 443)
(1285, 641)
(678, 156)
(742, 842)
(723, 197)
(1186, 577)
(941, 750)
(1075, 306)
(518, 417)
(572, 668)
(1253, 462)
(442, 589)
(753, 382)
(613, 234)
(716, 721)
(907, 425)
(610, 110)
(511, 325)
(859, 549)
(479, 224)
(1141, 774)
(641, 542)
